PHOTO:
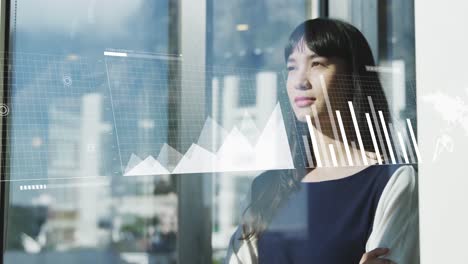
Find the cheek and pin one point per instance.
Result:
(289, 89)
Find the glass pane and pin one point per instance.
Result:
(389, 27)
(75, 114)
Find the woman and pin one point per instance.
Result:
(352, 214)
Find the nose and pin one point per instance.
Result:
(304, 85)
(302, 82)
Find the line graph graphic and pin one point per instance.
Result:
(250, 137)
(271, 151)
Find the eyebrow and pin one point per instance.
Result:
(312, 56)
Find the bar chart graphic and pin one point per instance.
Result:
(356, 139)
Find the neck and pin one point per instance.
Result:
(333, 152)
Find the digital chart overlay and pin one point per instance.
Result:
(271, 151)
(235, 141)
(392, 141)
(75, 118)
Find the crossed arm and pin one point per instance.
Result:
(394, 237)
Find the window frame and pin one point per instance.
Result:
(4, 44)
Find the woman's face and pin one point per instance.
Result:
(304, 85)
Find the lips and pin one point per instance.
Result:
(304, 101)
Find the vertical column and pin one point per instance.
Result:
(358, 133)
(226, 198)
(4, 200)
(88, 210)
(193, 244)
(214, 110)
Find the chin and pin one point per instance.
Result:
(301, 115)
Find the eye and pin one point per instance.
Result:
(316, 63)
(291, 68)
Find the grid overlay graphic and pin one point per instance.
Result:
(48, 125)
(57, 103)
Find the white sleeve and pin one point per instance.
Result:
(396, 221)
(241, 251)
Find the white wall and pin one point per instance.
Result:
(442, 90)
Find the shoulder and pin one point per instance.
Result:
(400, 193)
(395, 177)
(402, 180)
(396, 218)
(261, 180)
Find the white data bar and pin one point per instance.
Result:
(314, 141)
(345, 139)
(403, 148)
(358, 133)
(374, 141)
(115, 54)
(387, 138)
(413, 138)
(333, 155)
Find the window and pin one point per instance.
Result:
(133, 127)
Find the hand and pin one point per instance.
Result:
(372, 257)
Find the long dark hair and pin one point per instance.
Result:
(328, 38)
